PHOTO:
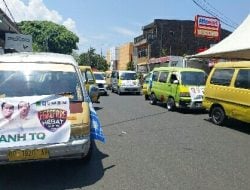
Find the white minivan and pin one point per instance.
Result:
(125, 82)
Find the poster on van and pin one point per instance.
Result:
(33, 120)
(196, 93)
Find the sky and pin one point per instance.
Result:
(103, 24)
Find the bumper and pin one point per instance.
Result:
(130, 89)
(103, 91)
(73, 149)
(190, 104)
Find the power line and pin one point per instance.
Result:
(214, 13)
(9, 11)
(225, 17)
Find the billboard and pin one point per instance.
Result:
(208, 27)
(18, 42)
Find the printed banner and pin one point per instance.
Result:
(196, 93)
(33, 120)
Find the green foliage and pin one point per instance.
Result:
(48, 36)
(94, 60)
(130, 66)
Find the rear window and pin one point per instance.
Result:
(222, 77)
(243, 79)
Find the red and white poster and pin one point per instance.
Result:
(34, 120)
(208, 27)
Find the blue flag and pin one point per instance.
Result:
(96, 131)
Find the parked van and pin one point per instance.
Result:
(90, 83)
(125, 81)
(101, 83)
(43, 93)
(178, 87)
(227, 92)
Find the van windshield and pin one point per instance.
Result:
(37, 80)
(128, 76)
(193, 78)
(99, 76)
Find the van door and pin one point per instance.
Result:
(155, 84)
(172, 87)
(163, 86)
(241, 93)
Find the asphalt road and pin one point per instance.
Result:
(147, 148)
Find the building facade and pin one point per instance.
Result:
(119, 57)
(169, 37)
(125, 55)
(6, 26)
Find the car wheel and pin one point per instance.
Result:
(118, 91)
(153, 100)
(218, 115)
(171, 104)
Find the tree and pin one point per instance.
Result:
(48, 36)
(94, 60)
(130, 66)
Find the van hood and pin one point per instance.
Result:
(100, 81)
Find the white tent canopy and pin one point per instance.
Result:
(234, 46)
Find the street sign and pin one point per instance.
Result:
(18, 42)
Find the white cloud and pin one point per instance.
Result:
(37, 10)
(70, 25)
(124, 31)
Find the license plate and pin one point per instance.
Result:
(35, 154)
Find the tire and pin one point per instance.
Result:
(153, 100)
(171, 104)
(118, 91)
(218, 115)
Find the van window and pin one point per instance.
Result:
(222, 77)
(155, 76)
(163, 77)
(173, 78)
(193, 78)
(113, 74)
(243, 79)
(89, 76)
(128, 76)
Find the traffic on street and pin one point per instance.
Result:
(147, 147)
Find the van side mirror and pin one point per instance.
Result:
(176, 82)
